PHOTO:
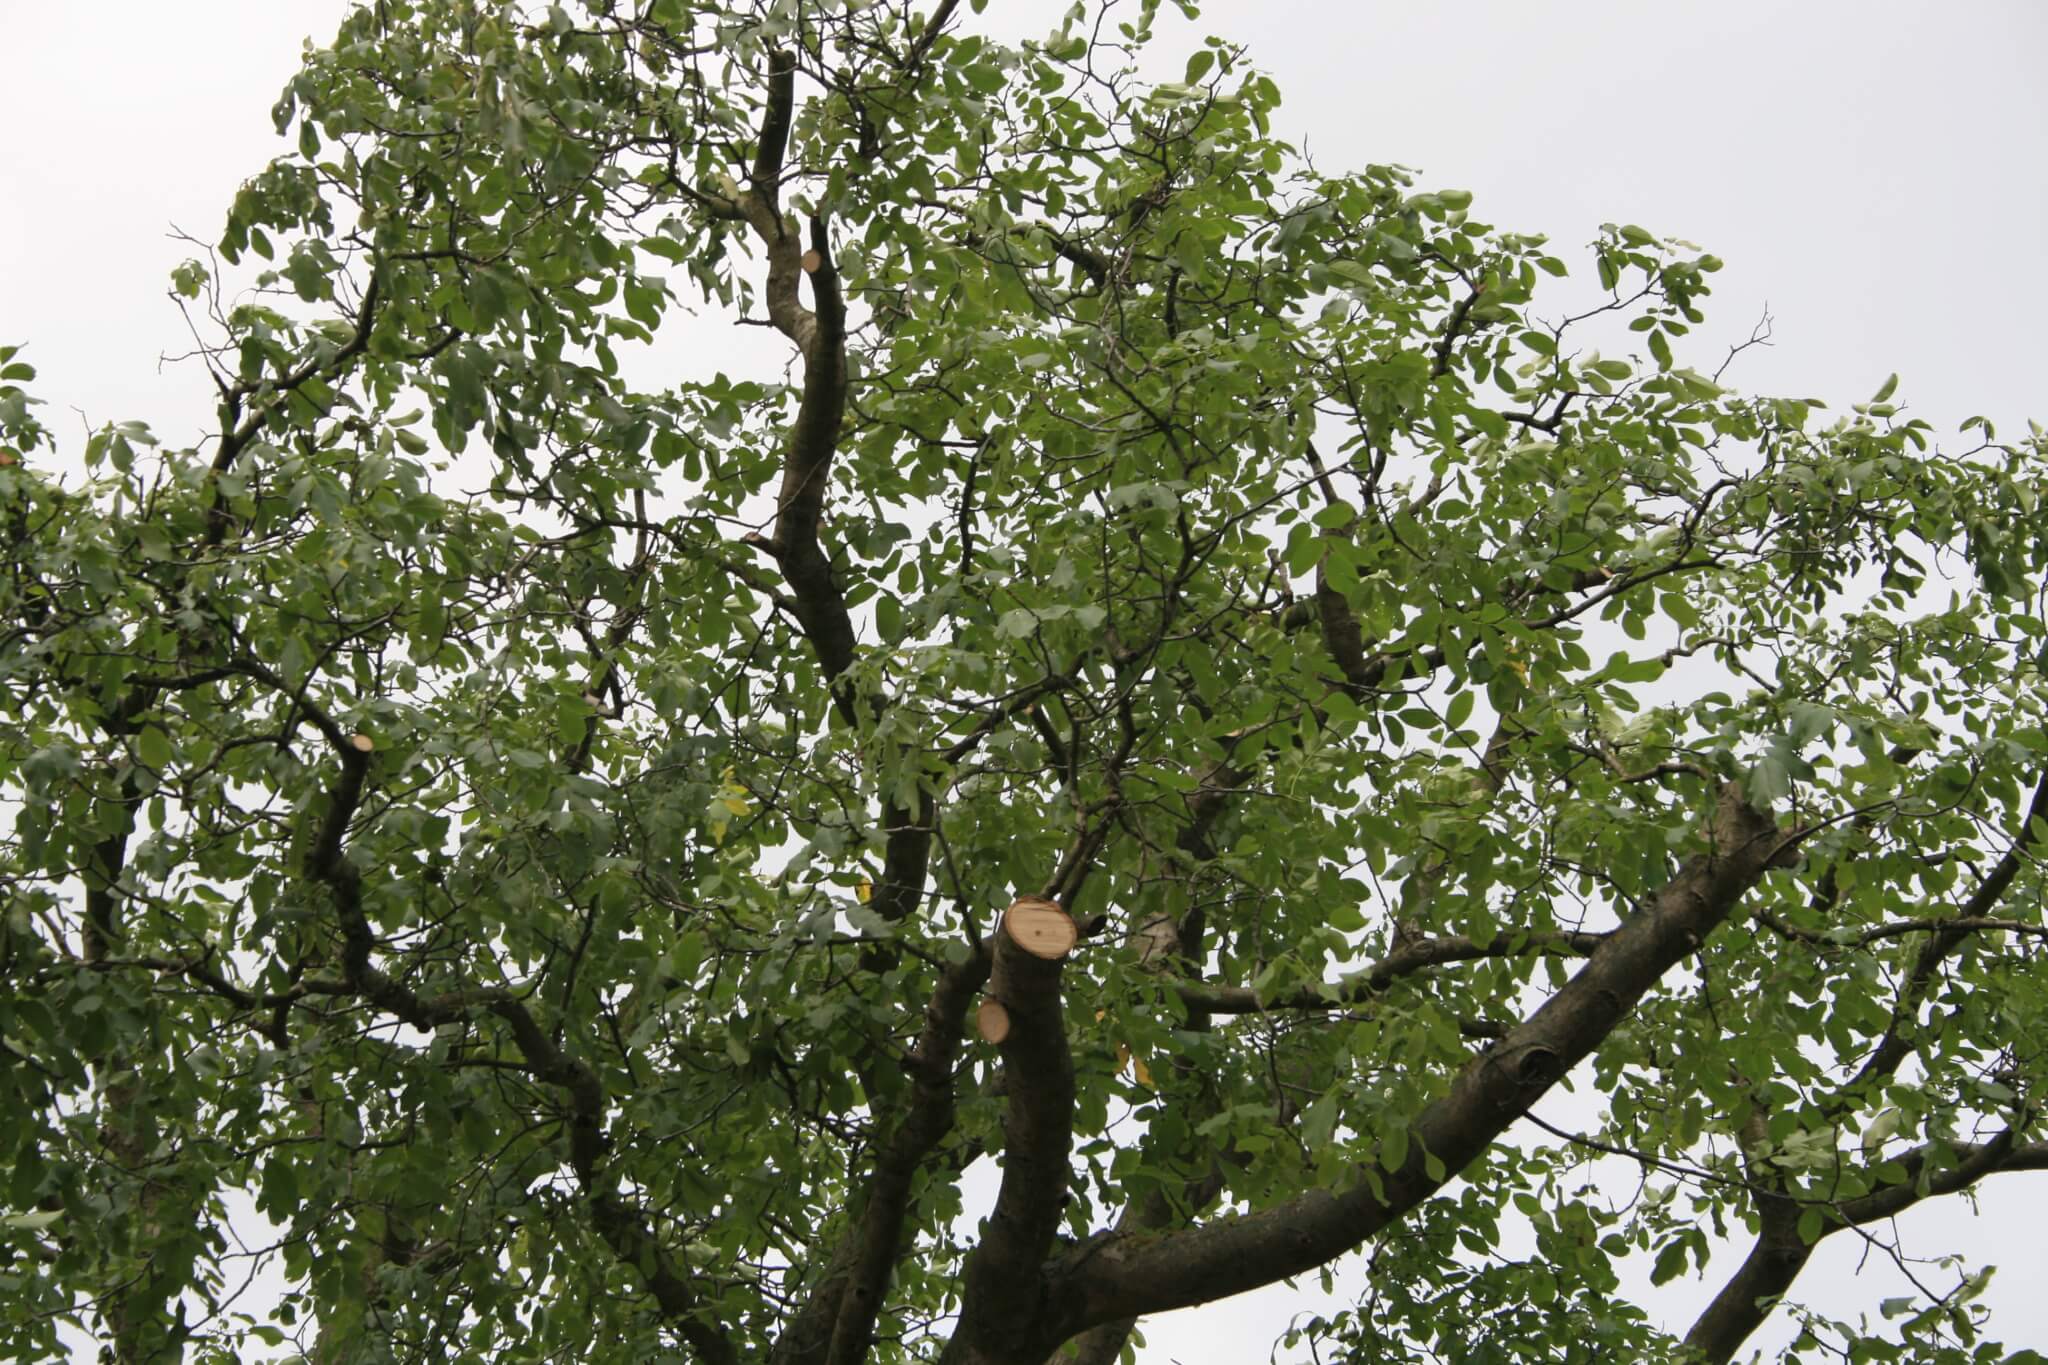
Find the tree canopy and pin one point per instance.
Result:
(1195, 692)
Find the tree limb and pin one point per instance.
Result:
(1229, 1255)
(1416, 955)
(836, 1324)
(1780, 1252)
(1002, 1297)
(1896, 1046)
(629, 1239)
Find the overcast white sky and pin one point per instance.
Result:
(1871, 172)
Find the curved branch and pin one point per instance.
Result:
(1780, 1253)
(621, 1230)
(1122, 1277)
(817, 600)
(840, 1320)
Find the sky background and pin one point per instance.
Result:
(1871, 172)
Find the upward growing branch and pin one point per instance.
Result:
(1780, 1252)
(1003, 1296)
(1230, 1255)
(1897, 1043)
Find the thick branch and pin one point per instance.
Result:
(837, 1322)
(1003, 1297)
(1967, 1163)
(1092, 263)
(1752, 1292)
(1170, 944)
(773, 142)
(1773, 1263)
(1227, 1256)
(817, 599)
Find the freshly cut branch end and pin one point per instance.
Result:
(1040, 927)
(812, 259)
(992, 1021)
(362, 744)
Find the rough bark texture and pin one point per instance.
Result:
(1003, 1296)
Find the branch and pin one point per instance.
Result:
(1092, 263)
(1780, 1253)
(1894, 1047)
(1417, 955)
(1002, 1295)
(817, 602)
(1773, 1263)
(1453, 325)
(629, 1239)
(813, 442)
(773, 140)
(1170, 944)
(913, 59)
(236, 435)
(1972, 1162)
(1225, 1256)
(1903, 928)
(838, 1319)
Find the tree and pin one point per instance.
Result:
(1192, 691)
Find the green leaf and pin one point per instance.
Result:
(1018, 623)
(1770, 780)
(1460, 709)
(153, 747)
(33, 1221)
(1394, 1148)
(888, 618)
(572, 720)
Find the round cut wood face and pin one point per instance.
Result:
(1040, 927)
(993, 1021)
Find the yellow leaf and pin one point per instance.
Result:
(865, 892)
